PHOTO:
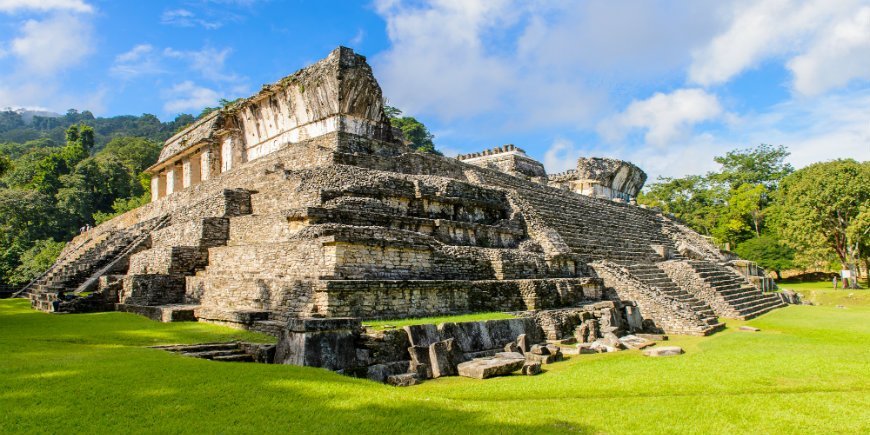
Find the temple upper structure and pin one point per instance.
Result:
(336, 94)
(602, 178)
(508, 159)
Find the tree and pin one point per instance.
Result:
(414, 131)
(823, 205)
(36, 260)
(768, 252)
(136, 153)
(764, 164)
(25, 217)
(746, 202)
(692, 199)
(5, 165)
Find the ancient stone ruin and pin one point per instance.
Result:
(301, 213)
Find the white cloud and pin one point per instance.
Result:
(665, 117)
(188, 96)
(209, 62)
(813, 129)
(561, 156)
(45, 6)
(47, 46)
(836, 57)
(139, 60)
(811, 32)
(187, 18)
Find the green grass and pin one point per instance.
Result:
(822, 293)
(805, 372)
(474, 317)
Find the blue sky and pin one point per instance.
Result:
(666, 84)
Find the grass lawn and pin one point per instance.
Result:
(807, 371)
(822, 293)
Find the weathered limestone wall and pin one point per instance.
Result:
(508, 159)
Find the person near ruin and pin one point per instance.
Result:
(835, 282)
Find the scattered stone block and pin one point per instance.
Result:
(510, 355)
(653, 337)
(569, 350)
(511, 347)
(635, 342)
(664, 351)
(531, 368)
(564, 341)
(420, 360)
(586, 348)
(484, 368)
(543, 359)
(441, 358)
(749, 328)
(522, 343)
(403, 380)
(537, 349)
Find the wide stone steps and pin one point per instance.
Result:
(744, 300)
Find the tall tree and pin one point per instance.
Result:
(764, 164)
(823, 204)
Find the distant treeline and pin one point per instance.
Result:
(14, 129)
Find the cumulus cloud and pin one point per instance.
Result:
(188, 96)
(836, 57)
(664, 117)
(47, 46)
(532, 64)
(45, 6)
(819, 37)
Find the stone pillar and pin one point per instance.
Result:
(316, 342)
(155, 187)
(177, 172)
(185, 172)
(170, 180)
(227, 154)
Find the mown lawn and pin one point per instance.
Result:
(807, 371)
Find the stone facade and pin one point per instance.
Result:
(602, 178)
(298, 203)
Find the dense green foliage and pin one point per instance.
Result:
(49, 189)
(805, 372)
(414, 131)
(13, 129)
(825, 205)
(759, 207)
(769, 252)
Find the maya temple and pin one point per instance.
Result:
(301, 213)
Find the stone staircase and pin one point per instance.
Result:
(737, 297)
(661, 302)
(233, 351)
(80, 269)
(652, 276)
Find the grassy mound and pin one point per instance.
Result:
(806, 371)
